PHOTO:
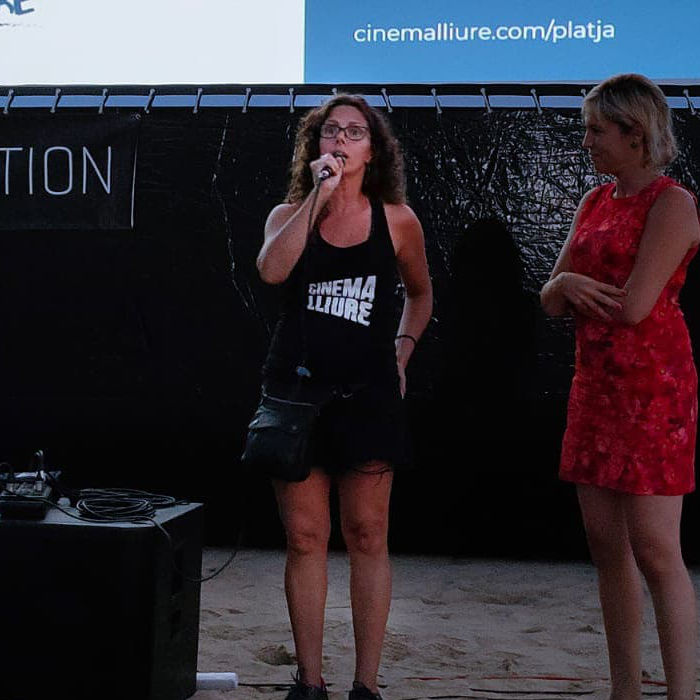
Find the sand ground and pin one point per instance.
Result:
(458, 628)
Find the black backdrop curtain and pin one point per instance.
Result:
(132, 357)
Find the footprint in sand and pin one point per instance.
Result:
(431, 601)
(276, 656)
(217, 614)
(225, 632)
(509, 665)
(508, 599)
(448, 651)
(396, 647)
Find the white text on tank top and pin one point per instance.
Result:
(350, 298)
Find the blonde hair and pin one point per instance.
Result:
(631, 100)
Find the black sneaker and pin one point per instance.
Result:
(303, 691)
(361, 692)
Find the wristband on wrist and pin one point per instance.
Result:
(406, 335)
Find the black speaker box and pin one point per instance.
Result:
(97, 610)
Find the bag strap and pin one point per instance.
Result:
(302, 371)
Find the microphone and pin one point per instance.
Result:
(326, 172)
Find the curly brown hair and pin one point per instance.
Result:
(384, 176)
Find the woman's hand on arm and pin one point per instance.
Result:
(409, 244)
(671, 230)
(566, 291)
(589, 297)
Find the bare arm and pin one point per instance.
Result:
(285, 239)
(671, 229)
(287, 225)
(552, 299)
(409, 244)
(566, 290)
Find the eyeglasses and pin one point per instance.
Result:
(354, 132)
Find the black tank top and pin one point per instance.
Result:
(350, 303)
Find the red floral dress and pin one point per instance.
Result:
(632, 413)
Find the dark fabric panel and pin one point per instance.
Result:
(132, 358)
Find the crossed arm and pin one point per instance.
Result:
(672, 228)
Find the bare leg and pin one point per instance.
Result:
(304, 510)
(654, 526)
(364, 515)
(619, 584)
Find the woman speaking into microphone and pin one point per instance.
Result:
(340, 242)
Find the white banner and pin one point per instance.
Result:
(202, 42)
(103, 42)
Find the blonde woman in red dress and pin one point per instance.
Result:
(629, 444)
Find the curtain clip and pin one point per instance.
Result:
(691, 106)
(101, 108)
(536, 98)
(149, 102)
(197, 100)
(56, 98)
(387, 101)
(10, 97)
(486, 100)
(246, 100)
(438, 107)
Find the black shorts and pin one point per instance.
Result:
(355, 426)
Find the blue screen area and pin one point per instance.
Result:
(463, 41)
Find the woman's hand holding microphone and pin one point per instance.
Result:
(328, 170)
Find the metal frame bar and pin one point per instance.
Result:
(198, 99)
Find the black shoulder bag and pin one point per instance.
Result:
(278, 437)
(279, 432)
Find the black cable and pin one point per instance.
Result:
(157, 500)
(302, 370)
(118, 504)
(309, 226)
(113, 510)
(114, 505)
